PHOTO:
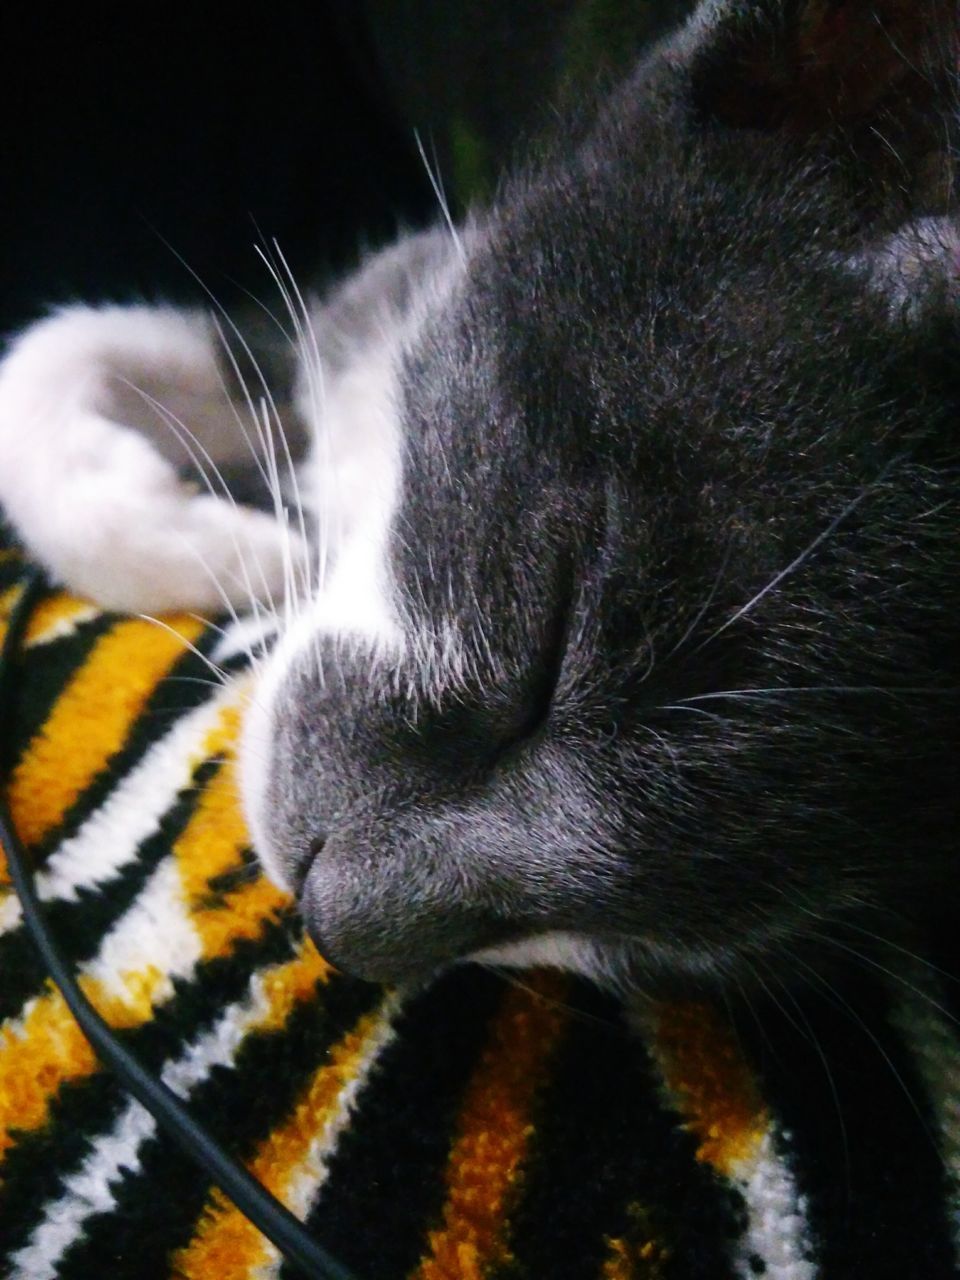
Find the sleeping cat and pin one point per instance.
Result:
(623, 622)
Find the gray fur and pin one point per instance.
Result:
(677, 545)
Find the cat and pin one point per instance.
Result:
(623, 589)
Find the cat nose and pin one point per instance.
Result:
(373, 914)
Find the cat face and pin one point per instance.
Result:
(643, 659)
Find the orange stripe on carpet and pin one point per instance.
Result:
(712, 1086)
(91, 720)
(47, 1047)
(638, 1254)
(495, 1129)
(213, 843)
(57, 615)
(290, 984)
(226, 1243)
(8, 599)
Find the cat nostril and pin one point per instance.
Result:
(316, 847)
(301, 870)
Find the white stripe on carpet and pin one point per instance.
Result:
(108, 840)
(116, 1153)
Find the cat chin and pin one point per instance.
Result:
(626, 966)
(571, 952)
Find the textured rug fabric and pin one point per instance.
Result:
(476, 1128)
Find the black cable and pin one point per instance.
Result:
(271, 1217)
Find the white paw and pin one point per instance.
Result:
(162, 547)
(110, 519)
(96, 503)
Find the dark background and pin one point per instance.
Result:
(137, 137)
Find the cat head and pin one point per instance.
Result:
(624, 670)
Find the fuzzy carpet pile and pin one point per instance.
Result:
(476, 1128)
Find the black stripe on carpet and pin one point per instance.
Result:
(42, 674)
(385, 1185)
(156, 1212)
(11, 569)
(863, 1142)
(184, 688)
(620, 1164)
(32, 1169)
(79, 925)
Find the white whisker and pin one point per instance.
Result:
(804, 555)
(223, 677)
(433, 175)
(195, 447)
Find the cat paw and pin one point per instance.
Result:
(184, 551)
(115, 523)
(91, 492)
(194, 553)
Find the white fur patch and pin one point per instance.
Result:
(557, 950)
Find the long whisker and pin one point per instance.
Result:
(887, 943)
(441, 195)
(580, 1015)
(864, 959)
(219, 308)
(918, 959)
(814, 1040)
(774, 691)
(307, 344)
(702, 612)
(223, 677)
(217, 586)
(804, 555)
(841, 1002)
(312, 365)
(261, 424)
(197, 451)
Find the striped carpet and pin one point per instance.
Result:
(477, 1128)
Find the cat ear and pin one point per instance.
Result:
(808, 65)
